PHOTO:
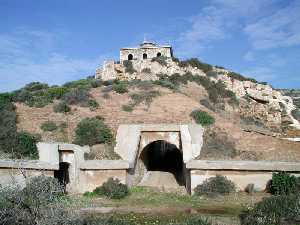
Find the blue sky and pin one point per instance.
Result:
(55, 41)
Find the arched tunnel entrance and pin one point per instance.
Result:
(165, 157)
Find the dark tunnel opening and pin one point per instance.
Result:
(63, 174)
(166, 157)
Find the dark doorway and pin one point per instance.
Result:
(63, 174)
(130, 57)
(163, 156)
(144, 56)
(158, 54)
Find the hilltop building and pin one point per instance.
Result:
(146, 50)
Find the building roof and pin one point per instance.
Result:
(147, 44)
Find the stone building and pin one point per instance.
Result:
(146, 50)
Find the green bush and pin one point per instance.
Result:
(49, 126)
(127, 108)
(91, 131)
(215, 185)
(202, 117)
(196, 220)
(240, 77)
(61, 107)
(146, 70)
(161, 60)
(128, 66)
(33, 204)
(57, 92)
(165, 83)
(113, 189)
(26, 145)
(77, 96)
(275, 210)
(194, 62)
(8, 127)
(93, 104)
(283, 183)
(120, 87)
(296, 114)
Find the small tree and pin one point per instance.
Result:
(91, 131)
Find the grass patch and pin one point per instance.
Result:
(202, 117)
(127, 108)
(49, 126)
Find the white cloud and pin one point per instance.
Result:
(30, 55)
(281, 29)
(215, 22)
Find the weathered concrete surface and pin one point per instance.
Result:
(28, 164)
(159, 179)
(244, 165)
(17, 176)
(90, 179)
(128, 137)
(48, 152)
(241, 173)
(104, 165)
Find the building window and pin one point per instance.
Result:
(144, 56)
(130, 57)
(158, 54)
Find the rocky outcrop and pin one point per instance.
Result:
(257, 100)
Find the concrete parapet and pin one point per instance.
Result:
(244, 165)
(28, 164)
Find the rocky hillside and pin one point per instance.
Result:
(250, 118)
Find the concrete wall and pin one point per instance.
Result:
(241, 173)
(15, 172)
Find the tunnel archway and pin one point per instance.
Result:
(163, 156)
(130, 57)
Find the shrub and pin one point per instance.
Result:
(127, 108)
(160, 59)
(275, 210)
(120, 87)
(93, 104)
(146, 70)
(166, 84)
(33, 204)
(283, 183)
(91, 131)
(128, 66)
(146, 96)
(48, 126)
(57, 92)
(77, 96)
(194, 62)
(61, 107)
(296, 114)
(202, 117)
(215, 185)
(8, 127)
(240, 77)
(26, 145)
(196, 220)
(113, 189)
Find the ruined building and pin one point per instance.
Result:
(146, 50)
